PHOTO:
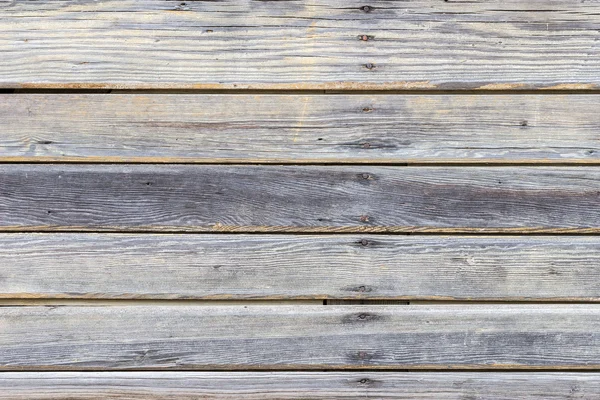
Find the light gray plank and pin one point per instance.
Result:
(295, 385)
(149, 266)
(300, 128)
(309, 337)
(207, 198)
(423, 44)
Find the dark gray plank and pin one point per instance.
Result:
(295, 385)
(332, 44)
(149, 266)
(300, 128)
(205, 198)
(309, 337)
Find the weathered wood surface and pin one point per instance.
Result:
(333, 44)
(295, 385)
(300, 128)
(309, 337)
(125, 266)
(205, 198)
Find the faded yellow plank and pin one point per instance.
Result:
(158, 128)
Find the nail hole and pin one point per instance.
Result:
(367, 109)
(524, 123)
(366, 145)
(367, 8)
(370, 66)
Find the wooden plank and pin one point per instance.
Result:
(206, 198)
(310, 337)
(294, 385)
(300, 128)
(333, 44)
(149, 266)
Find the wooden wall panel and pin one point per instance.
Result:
(294, 385)
(253, 128)
(308, 337)
(210, 267)
(206, 198)
(332, 44)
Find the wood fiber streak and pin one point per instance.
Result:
(149, 266)
(329, 45)
(294, 385)
(162, 128)
(205, 198)
(308, 337)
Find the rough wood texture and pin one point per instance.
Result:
(205, 198)
(297, 385)
(111, 266)
(332, 44)
(300, 128)
(309, 337)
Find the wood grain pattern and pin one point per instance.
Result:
(309, 337)
(206, 198)
(300, 128)
(295, 385)
(332, 44)
(149, 266)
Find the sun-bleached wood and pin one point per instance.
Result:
(308, 337)
(209, 198)
(331, 44)
(258, 128)
(151, 266)
(294, 385)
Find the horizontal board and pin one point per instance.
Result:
(149, 266)
(308, 337)
(294, 385)
(300, 128)
(207, 198)
(332, 44)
